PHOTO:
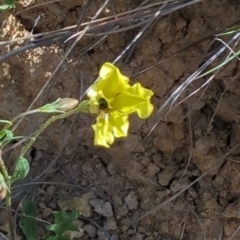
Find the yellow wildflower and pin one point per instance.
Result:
(113, 99)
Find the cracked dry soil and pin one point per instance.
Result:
(113, 188)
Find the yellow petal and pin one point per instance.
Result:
(134, 99)
(103, 133)
(111, 81)
(120, 124)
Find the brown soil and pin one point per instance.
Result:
(114, 188)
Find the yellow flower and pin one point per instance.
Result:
(113, 99)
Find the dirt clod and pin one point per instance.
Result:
(113, 188)
(101, 207)
(131, 201)
(166, 176)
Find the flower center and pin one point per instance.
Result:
(103, 104)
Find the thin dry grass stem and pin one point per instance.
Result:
(187, 47)
(234, 234)
(149, 22)
(191, 141)
(209, 128)
(172, 100)
(38, 5)
(97, 24)
(65, 35)
(83, 15)
(3, 237)
(100, 195)
(184, 227)
(51, 79)
(18, 207)
(126, 17)
(195, 215)
(159, 206)
(162, 11)
(22, 188)
(228, 47)
(199, 98)
(130, 19)
(220, 234)
(23, 215)
(144, 31)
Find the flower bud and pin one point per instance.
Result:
(3, 187)
(66, 104)
(60, 105)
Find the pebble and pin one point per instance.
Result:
(131, 201)
(110, 224)
(117, 200)
(102, 235)
(46, 213)
(82, 205)
(152, 169)
(90, 230)
(159, 160)
(177, 185)
(102, 208)
(165, 177)
(121, 211)
(50, 190)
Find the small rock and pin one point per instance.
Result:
(192, 192)
(232, 211)
(110, 224)
(97, 204)
(116, 199)
(42, 205)
(110, 169)
(46, 213)
(50, 190)
(152, 169)
(90, 230)
(63, 204)
(165, 177)
(177, 185)
(107, 210)
(131, 201)
(159, 160)
(121, 211)
(82, 204)
(140, 236)
(102, 208)
(145, 162)
(102, 235)
(162, 194)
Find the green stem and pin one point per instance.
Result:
(19, 116)
(79, 108)
(8, 200)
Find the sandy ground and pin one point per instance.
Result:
(113, 188)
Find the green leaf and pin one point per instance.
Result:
(4, 7)
(63, 223)
(51, 107)
(28, 223)
(7, 5)
(21, 170)
(6, 134)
